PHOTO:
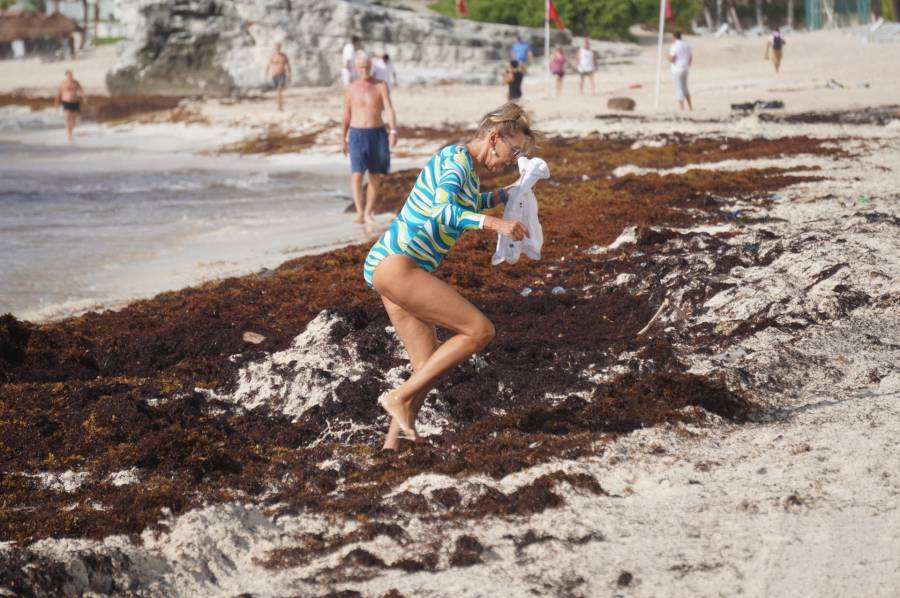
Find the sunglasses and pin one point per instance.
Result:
(516, 152)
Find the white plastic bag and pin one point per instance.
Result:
(522, 206)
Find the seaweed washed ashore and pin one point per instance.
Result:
(118, 423)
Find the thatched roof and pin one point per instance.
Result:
(28, 25)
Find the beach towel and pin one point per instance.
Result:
(522, 206)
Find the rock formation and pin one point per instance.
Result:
(220, 47)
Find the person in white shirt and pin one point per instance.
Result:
(681, 57)
(383, 70)
(587, 64)
(348, 58)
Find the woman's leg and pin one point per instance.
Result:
(420, 341)
(430, 300)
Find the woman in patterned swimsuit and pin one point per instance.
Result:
(444, 202)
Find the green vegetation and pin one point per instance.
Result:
(887, 11)
(107, 41)
(602, 19)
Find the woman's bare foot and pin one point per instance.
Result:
(358, 219)
(369, 218)
(401, 411)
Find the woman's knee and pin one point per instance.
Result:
(483, 333)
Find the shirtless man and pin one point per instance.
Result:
(281, 73)
(71, 96)
(367, 143)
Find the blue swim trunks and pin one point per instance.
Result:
(444, 202)
(369, 150)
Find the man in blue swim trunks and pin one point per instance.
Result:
(280, 67)
(364, 135)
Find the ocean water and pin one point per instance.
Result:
(132, 211)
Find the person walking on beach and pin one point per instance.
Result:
(558, 64)
(587, 65)
(521, 53)
(383, 70)
(348, 58)
(280, 67)
(367, 142)
(444, 202)
(775, 48)
(681, 57)
(512, 78)
(71, 95)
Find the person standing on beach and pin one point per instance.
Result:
(383, 70)
(587, 65)
(348, 58)
(280, 67)
(512, 78)
(71, 95)
(444, 202)
(681, 57)
(521, 53)
(558, 63)
(775, 45)
(364, 137)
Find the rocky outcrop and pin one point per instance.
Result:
(220, 47)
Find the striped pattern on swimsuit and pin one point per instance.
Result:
(444, 202)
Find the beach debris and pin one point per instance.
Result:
(759, 105)
(620, 104)
(635, 86)
(526, 291)
(656, 316)
(558, 290)
(833, 84)
(253, 337)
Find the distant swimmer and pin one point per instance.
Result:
(280, 67)
(71, 95)
(364, 136)
(445, 201)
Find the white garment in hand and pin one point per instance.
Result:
(522, 206)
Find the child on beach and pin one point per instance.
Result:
(512, 78)
(444, 202)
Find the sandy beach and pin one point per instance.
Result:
(744, 444)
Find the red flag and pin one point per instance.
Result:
(554, 16)
(461, 8)
(669, 14)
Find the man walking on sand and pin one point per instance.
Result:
(367, 142)
(281, 73)
(348, 56)
(681, 57)
(521, 53)
(71, 95)
(776, 46)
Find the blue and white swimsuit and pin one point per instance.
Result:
(444, 202)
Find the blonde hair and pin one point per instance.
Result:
(507, 120)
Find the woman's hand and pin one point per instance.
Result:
(513, 229)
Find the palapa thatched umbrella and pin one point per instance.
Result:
(31, 25)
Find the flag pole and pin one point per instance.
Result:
(659, 50)
(547, 36)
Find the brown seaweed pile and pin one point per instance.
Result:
(105, 109)
(124, 391)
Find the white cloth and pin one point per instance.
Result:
(522, 206)
(682, 54)
(384, 72)
(586, 61)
